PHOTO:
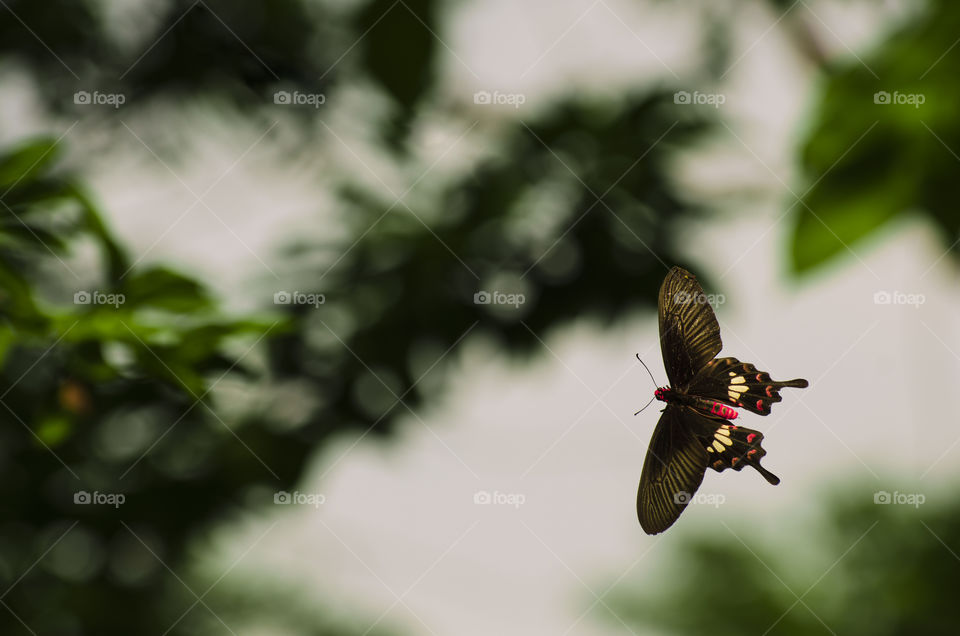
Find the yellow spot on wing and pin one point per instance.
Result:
(723, 431)
(725, 440)
(738, 388)
(737, 380)
(718, 446)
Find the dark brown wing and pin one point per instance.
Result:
(731, 446)
(689, 332)
(740, 384)
(672, 470)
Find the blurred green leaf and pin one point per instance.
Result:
(885, 142)
(164, 288)
(859, 568)
(398, 51)
(26, 161)
(7, 337)
(53, 429)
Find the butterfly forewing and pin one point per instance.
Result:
(689, 439)
(689, 332)
(672, 470)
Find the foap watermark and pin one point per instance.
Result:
(702, 498)
(297, 498)
(298, 298)
(296, 98)
(98, 298)
(496, 98)
(97, 498)
(497, 498)
(686, 298)
(898, 298)
(96, 98)
(896, 97)
(498, 298)
(883, 498)
(696, 97)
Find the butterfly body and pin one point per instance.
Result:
(694, 433)
(707, 407)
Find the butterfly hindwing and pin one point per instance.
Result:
(673, 469)
(731, 446)
(691, 435)
(740, 384)
(689, 332)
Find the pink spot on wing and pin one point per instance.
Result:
(751, 437)
(759, 375)
(769, 390)
(759, 405)
(751, 452)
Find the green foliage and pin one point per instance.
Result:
(872, 162)
(122, 394)
(398, 53)
(406, 291)
(87, 361)
(885, 570)
(25, 162)
(232, 51)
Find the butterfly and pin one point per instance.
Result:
(695, 431)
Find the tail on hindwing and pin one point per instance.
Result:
(731, 446)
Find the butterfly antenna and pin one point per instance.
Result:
(651, 378)
(648, 404)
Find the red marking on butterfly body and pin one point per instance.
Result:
(723, 411)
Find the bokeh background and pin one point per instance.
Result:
(250, 384)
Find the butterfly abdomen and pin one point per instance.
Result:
(723, 411)
(712, 407)
(705, 406)
(695, 433)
